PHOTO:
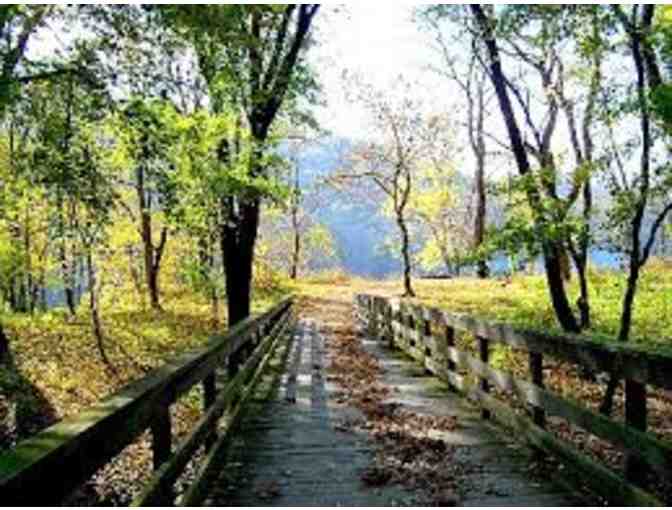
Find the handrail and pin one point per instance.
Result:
(428, 335)
(46, 468)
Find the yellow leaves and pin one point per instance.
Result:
(430, 256)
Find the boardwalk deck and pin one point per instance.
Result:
(292, 452)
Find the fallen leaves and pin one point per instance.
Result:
(409, 451)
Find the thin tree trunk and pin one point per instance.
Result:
(637, 260)
(478, 143)
(296, 247)
(482, 269)
(406, 256)
(151, 254)
(96, 325)
(4, 346)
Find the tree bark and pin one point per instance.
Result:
(96, 325)
(296, 255)
(482, 269)
(405, 252)
(296, 252)
(152, 254)
(478, 143)
(238, 241)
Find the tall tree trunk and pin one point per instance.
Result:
(637, 259)
(296, 248)
(66, 274)
(238, 241)
(296, 251)
(405, 253)
(479, 149)
(482, 269)
(151, 254)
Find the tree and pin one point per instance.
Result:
(637, 193)
(440, 212)
(472, 81)
(258, 69)
(144, 131)
(408, 138)
(550, 210)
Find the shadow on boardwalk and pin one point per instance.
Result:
(294, 451)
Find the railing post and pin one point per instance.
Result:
(388, 334)
(537, 373)
(209, 397)
(373, 319)
(161, 435)
(410, 324)
(484, 351)
(426, 349)
(450, 342)
(635, 416)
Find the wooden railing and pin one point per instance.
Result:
(46, 468)
(428, 335)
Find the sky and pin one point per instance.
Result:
(377, 43)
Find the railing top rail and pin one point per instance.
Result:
(76, 447)
(627, 360)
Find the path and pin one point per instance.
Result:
(291, 452)
(294, 451)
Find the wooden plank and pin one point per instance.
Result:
(635, 416)
(537, 374)
(161, 436)
(197, 492)
(484, 352)
(82, 444)
(454, 380)
(209, 399)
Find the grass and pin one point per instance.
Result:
(523, 301)
(56, 369)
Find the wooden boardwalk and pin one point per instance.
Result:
(291, 450)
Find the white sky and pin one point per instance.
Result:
(377, 42)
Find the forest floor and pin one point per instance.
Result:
(56, 370)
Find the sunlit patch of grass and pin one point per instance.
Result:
(524, 301)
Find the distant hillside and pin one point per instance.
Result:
(357, 227)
